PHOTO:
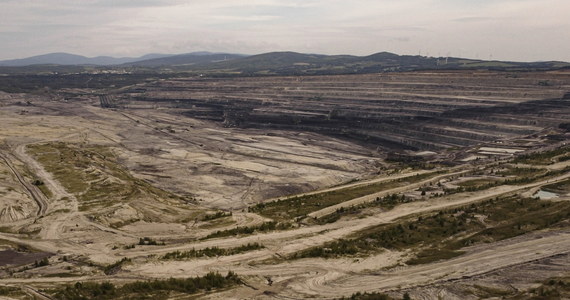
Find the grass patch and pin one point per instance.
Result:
(93, 174)
(45, 190)
(11, 291)
(155, 289)
(6, 229)
(520, 172)
(211, 252)
(300, 206)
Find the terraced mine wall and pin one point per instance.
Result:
(418, 110)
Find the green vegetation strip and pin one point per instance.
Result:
(386, 202)
(520, 172)
(11, 291)
(265, 227)
(211, 252)
(442, 235)
(300, 206)
(155, 289)
(544, 158)
(522, 176)
(370, 296)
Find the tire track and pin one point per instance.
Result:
(32, 190)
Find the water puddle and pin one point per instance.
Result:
(544, 195)
(11, 257)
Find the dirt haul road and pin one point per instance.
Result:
(369, 198)
(308, 277)
(290, 241)
(282, 243)
(478, 260)
(287, 242)
(34, 192)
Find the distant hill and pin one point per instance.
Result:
(273, 63)
(292, 63)
(72, 59)
(185, 59)
(149, 60)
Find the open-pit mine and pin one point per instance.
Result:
(410, 185)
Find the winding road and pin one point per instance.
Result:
(32, 190)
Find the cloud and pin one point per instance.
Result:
(254, 18)
(505, 29)
(472, 19)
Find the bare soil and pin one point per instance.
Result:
(193, 147)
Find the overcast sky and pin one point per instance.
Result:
(522, 30)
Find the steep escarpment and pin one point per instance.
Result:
(392, 111)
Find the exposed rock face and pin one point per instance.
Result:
(390, 111)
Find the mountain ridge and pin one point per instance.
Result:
(63, 58)
(185, 59)
(293, 63)
(272, 63)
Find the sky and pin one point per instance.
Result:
(517, 30)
